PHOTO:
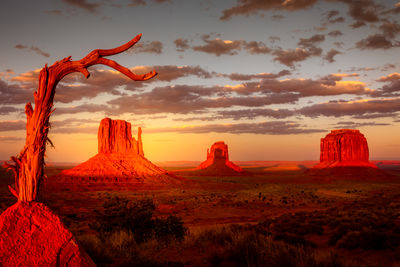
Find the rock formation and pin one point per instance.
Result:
(217, 163)
(120, 158)
(218, 158)
(115, 136)
(32, 235)
(344, 148)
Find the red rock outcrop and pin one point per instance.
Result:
(344, 148)
(32, 235)
(217, 163)
(218, 158)
(120, 158)
(115, 136)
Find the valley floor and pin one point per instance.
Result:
(331, 220)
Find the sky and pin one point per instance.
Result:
(270, 78)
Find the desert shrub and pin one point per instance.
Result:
(248, 248)
(137, 218)
(120, 249)
(365, 239)
(294, 239)
(170, 228)
(220, 236)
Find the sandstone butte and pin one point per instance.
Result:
(344, 148)
(32, 235)
(120, 158)
(217, 163)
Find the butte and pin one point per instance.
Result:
(345, 153)
(217, 163)
(120, 158)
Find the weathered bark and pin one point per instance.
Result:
(28, 167)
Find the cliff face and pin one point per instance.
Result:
(218, 160)
(120, 157)
(344, 147)
(115, 136)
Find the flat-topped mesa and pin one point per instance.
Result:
(218, 159)
(120, 158)
(115, 136)
(344, 148)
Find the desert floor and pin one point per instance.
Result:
(351, 220)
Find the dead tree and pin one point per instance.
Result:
(28, 166)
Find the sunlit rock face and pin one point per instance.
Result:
(344, 148)
(120, 157)
(115, 136)
(218, 161)
(32, 235)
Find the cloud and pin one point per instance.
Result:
(5, 110)
(181, 44)
(76, 87)
(247, 77)
(331, 17)
(328, 85)
(144, 3)
(305, 50)
(35, 49)
(310, 42)
(277, 17)
(137, 3)
(6, 126)
(253, 113)
(272, 128)
(338, 44)
(86, 107)
(14, 93)
(355, 125)
(172, 72)
(394, 10)
(73, 125)
(329, 56)
(11, 139)
(153, 47)
(357, 24)
(74, 130)
(73, 87)
(269, 90)
(188, 99)
(335, 33)
(390, 29)
(352, 108)
(274, 39)
(390, 78)
(251, 7)
(219, 47)
(384, 39)
(376, 41)
(254, 47)
(375, 116)
(291, 56)
(391, 89)
(53, 12)
(384, 68)
(362, 10)
(83, 4)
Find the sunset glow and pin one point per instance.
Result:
(268, 78)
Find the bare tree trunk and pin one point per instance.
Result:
(28, 167)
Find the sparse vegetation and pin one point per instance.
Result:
(232, 221)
